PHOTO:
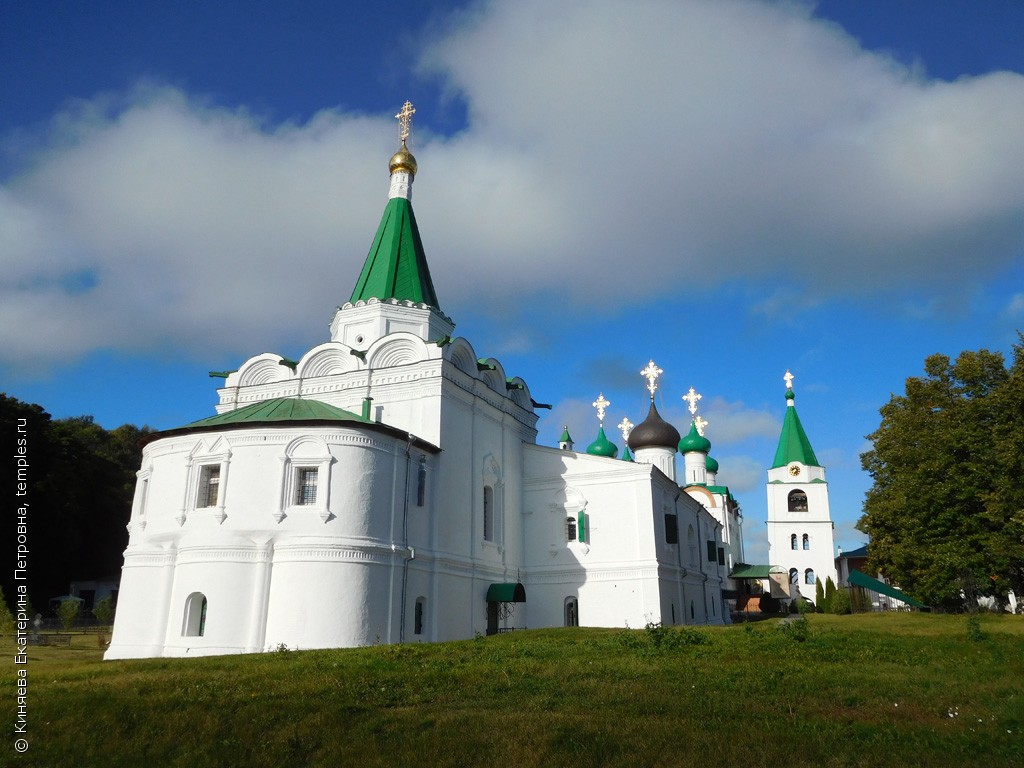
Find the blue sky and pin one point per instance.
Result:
(729, 188)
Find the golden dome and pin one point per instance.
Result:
(403, 160)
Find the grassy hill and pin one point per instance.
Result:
(868, 690)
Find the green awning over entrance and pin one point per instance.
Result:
(859, 579)
(506, 593)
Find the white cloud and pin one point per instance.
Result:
(733, 422)
(614, 151)
(742, 474)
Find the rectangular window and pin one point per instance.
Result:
(570, 529)
(488, 513)
(209, 486)
(421, 484)
(712, 552)
(671, 529)
(721, 555)
(305, 485)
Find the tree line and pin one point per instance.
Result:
(946, 511)
(81, 480)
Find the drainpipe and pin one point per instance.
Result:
(409, 553)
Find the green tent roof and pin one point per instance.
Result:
(793, 442)
(859, 579)
(396, 266)
(280, 409)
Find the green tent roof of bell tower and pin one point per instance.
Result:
(396, 266)
(793, 442)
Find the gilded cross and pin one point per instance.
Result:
(405, 120)
(601, 404)
(700, 424)
(625, 427)
(651, 373)
(692, 397)
(788, 378)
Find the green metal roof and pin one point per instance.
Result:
(754, 571)
(793, 442)
(280, 409)
(694, 441)
(859, 579)
(396, 266)
(506, 593)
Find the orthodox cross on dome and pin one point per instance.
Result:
(692, 397)
(788, 378)
(601, 404)
(700, 424)
(625, 427)
(405, 120)
(651, 373)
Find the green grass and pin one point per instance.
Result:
(870, 690)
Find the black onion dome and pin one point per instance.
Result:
(653, 432)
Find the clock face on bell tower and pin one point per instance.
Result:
(794, 469)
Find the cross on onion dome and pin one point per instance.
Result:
(405, 120)
(601, 404)
(788, 378)
(692, 397)
(625, 427)
(651, 373)
(700, 424)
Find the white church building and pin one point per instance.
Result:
(388, 487)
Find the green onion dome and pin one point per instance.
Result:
(711, 465)
(694, 441)
(602, 446)
(653, 432)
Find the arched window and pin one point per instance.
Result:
(488, 513)
(807, 542)
(572, 612)
(691, 543)
(421, 482)
(417, 623)
(809, 576)
(794, 576)
(570, 532)
(797, 501)
(792, 541)
(194, 623)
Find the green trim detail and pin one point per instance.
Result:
(396, 266)
(754, 571)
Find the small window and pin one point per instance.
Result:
(671, 529)
(721, 555)
(807, 542)
(794, 576)
(194, 624)
(570, 529)
(572, 612)
(421, 482)
(418, 616)
(712, 552)
(809, 576)
(305, 485)
(797, 501)
(792, 542)
(209, 486)
(488, 513)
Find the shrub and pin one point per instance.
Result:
(104, 611)
(830, 592)
(841, 602)
(804, 606)
(796, 629)
(819, 596)
(974, 632)
(67, 612)
(6, 617)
